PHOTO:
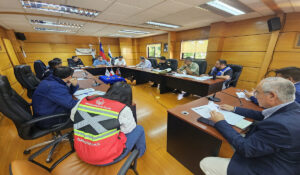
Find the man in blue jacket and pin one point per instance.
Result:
(54, 96)
(290, 73)
(272, 145)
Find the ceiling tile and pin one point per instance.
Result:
(140, 3)
(285, 5)
(258, 6)
(296, 5)
(91, 4)
(123, 9)
(243, 17)
(11, 5)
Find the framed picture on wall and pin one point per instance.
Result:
(297, 41)
(165, 47)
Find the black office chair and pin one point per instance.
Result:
(112, 60)
(18, 110)
(153, 62)
(202, 65)
(26, 78)
(236, 73)
(173, 63)
(70, 62)
(39, 68)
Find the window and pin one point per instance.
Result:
(153, 50)
(195, 49)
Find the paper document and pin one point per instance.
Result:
(243, 124)
(203, 78)
(87, 92)
(78, 70)
(242, 95)
(205, 110)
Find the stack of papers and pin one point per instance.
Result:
(230, 117)
(80, 94)
(193, 77)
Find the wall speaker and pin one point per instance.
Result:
(20, 36)
(274, 24)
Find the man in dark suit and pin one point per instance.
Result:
(272, 145)
(75, 62)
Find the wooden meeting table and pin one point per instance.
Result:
(188, 140)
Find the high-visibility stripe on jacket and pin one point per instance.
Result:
(97, 136)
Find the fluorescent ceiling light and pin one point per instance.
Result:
(225, 7)
(53, 30)
(58, 24)
(133, 31)
(162, 24)
(119, 35)
(59, 8)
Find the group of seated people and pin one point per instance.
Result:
(54, 95)
(271, 145)
(100, 62)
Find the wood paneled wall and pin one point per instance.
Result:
(128, 49)
(286, 54)
(46, 46)
(143, 42)
(7, 61)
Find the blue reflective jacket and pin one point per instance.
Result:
(53, 96)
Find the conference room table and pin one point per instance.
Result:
(87, 80)
(188, 140)
(168, 81)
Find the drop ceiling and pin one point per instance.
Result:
(132, 13)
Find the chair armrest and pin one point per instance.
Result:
(41, 118)
(130, 162)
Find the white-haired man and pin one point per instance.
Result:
(272, 145)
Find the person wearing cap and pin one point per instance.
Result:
(145, 63)
(120, 61)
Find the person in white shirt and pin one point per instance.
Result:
(120, 61)
(144, 63)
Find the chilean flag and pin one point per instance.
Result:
(101, 52)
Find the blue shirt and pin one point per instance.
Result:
(53, 96)
(103, 62)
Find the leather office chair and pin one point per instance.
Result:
(112, 60)
(39, 68)
(153, 62)
(202, 65)
(173, 63)
(70, 164)
(26, 78)
(70, 62)
(236, 73)
(18, 110)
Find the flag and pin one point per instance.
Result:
(112, 72)
(101, 51)
(118, 72)
(109, 53)
(107, 73)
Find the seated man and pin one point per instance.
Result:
(75, 62)
(55, 63)
(221, 70)
(54, 96)
(189, 67)
(100, 62)
(290, 73)
(145, 63)
(162, 66)
(120, 61)
(272, 145)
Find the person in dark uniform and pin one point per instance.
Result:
(55, 63)
(75, 62)
(222, 71)
(162, 66)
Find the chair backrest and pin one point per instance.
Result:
(153, 62)
(173, 63)
(112, 60)
(236, 73)
(202, 65)
(26, 78)
(39, 68)
(70, 61)
(14, 106)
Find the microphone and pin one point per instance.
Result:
(95, 83)
(214, 98)
(241, 103)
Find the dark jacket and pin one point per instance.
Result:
(72, 63)
(271, 147)
(52, 96)
(163, 66)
